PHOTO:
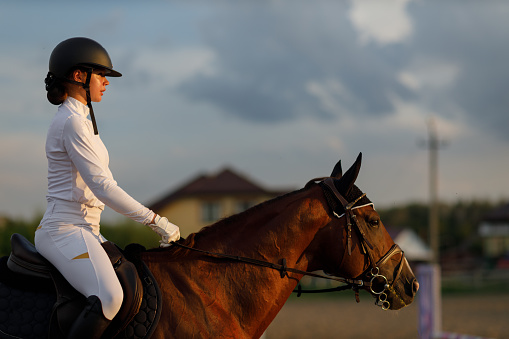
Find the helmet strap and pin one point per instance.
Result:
(86, 86)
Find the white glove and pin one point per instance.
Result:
(168, 231)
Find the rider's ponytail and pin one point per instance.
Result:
(57, 91)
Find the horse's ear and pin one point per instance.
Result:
(348, 180)
(337, 172)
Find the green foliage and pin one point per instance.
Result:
(121, 233)
(458, 221)
(413, 216)
(128, 232)
(458, 225)
(9, 226)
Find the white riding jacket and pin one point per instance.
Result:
(78, 165)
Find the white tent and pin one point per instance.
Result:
(415, 249)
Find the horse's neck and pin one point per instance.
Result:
(245, 297)
(281, 228)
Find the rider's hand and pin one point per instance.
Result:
(168, 231)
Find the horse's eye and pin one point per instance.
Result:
(374, 222)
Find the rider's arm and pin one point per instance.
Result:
(90, 158)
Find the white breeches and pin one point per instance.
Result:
(69, 237)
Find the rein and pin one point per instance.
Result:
(377, 283)
(282, 268)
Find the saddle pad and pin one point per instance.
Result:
(24, 313)
(145, 321)
(26, 305)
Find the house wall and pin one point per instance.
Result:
(495, 238)
(183, 213)
(495, 246)
(188, 214)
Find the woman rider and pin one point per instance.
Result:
(80, 183)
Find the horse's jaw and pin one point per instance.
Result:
(397, 301)
(399, 298)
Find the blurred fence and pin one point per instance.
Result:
(480, 280)
(483, 280)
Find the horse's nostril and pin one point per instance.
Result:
(415, 286)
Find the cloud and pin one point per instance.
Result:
(279, 89)
(472, 41)
(166, 68)
(331, 94)
(22, 91)
(424, 74)
(299, 63)
(383, 22)
(309, 63)
(23, 169)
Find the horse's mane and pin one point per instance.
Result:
(236, 219)
(222, 224)
(353, 194)
(239, 217)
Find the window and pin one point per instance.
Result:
(210, 211)
(241, 206)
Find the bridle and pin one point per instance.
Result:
(371, 278)
(378, 284)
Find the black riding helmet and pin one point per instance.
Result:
(84, 52)
(79, 53)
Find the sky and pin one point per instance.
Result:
(279, 91)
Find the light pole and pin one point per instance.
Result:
(433, 146)
(430, 301)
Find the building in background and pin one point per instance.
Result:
(494, 230)
(208, 198)
(416, 250)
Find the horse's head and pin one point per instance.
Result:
(361, 248)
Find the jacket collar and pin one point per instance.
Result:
(76, 106)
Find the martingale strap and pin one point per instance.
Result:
(282, 268)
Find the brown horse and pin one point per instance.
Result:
(231, 279)
(331, 227)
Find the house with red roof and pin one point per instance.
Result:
(494, 230)
(207, 198)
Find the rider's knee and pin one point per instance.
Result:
(111, 302)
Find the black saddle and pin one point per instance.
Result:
(25, 259)
(141, 296)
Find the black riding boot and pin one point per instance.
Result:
(91, 322)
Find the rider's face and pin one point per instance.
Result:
(98, 84)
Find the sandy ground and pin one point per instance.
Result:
(485, 316)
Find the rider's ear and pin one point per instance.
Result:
(78, 75)
(347, 181)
